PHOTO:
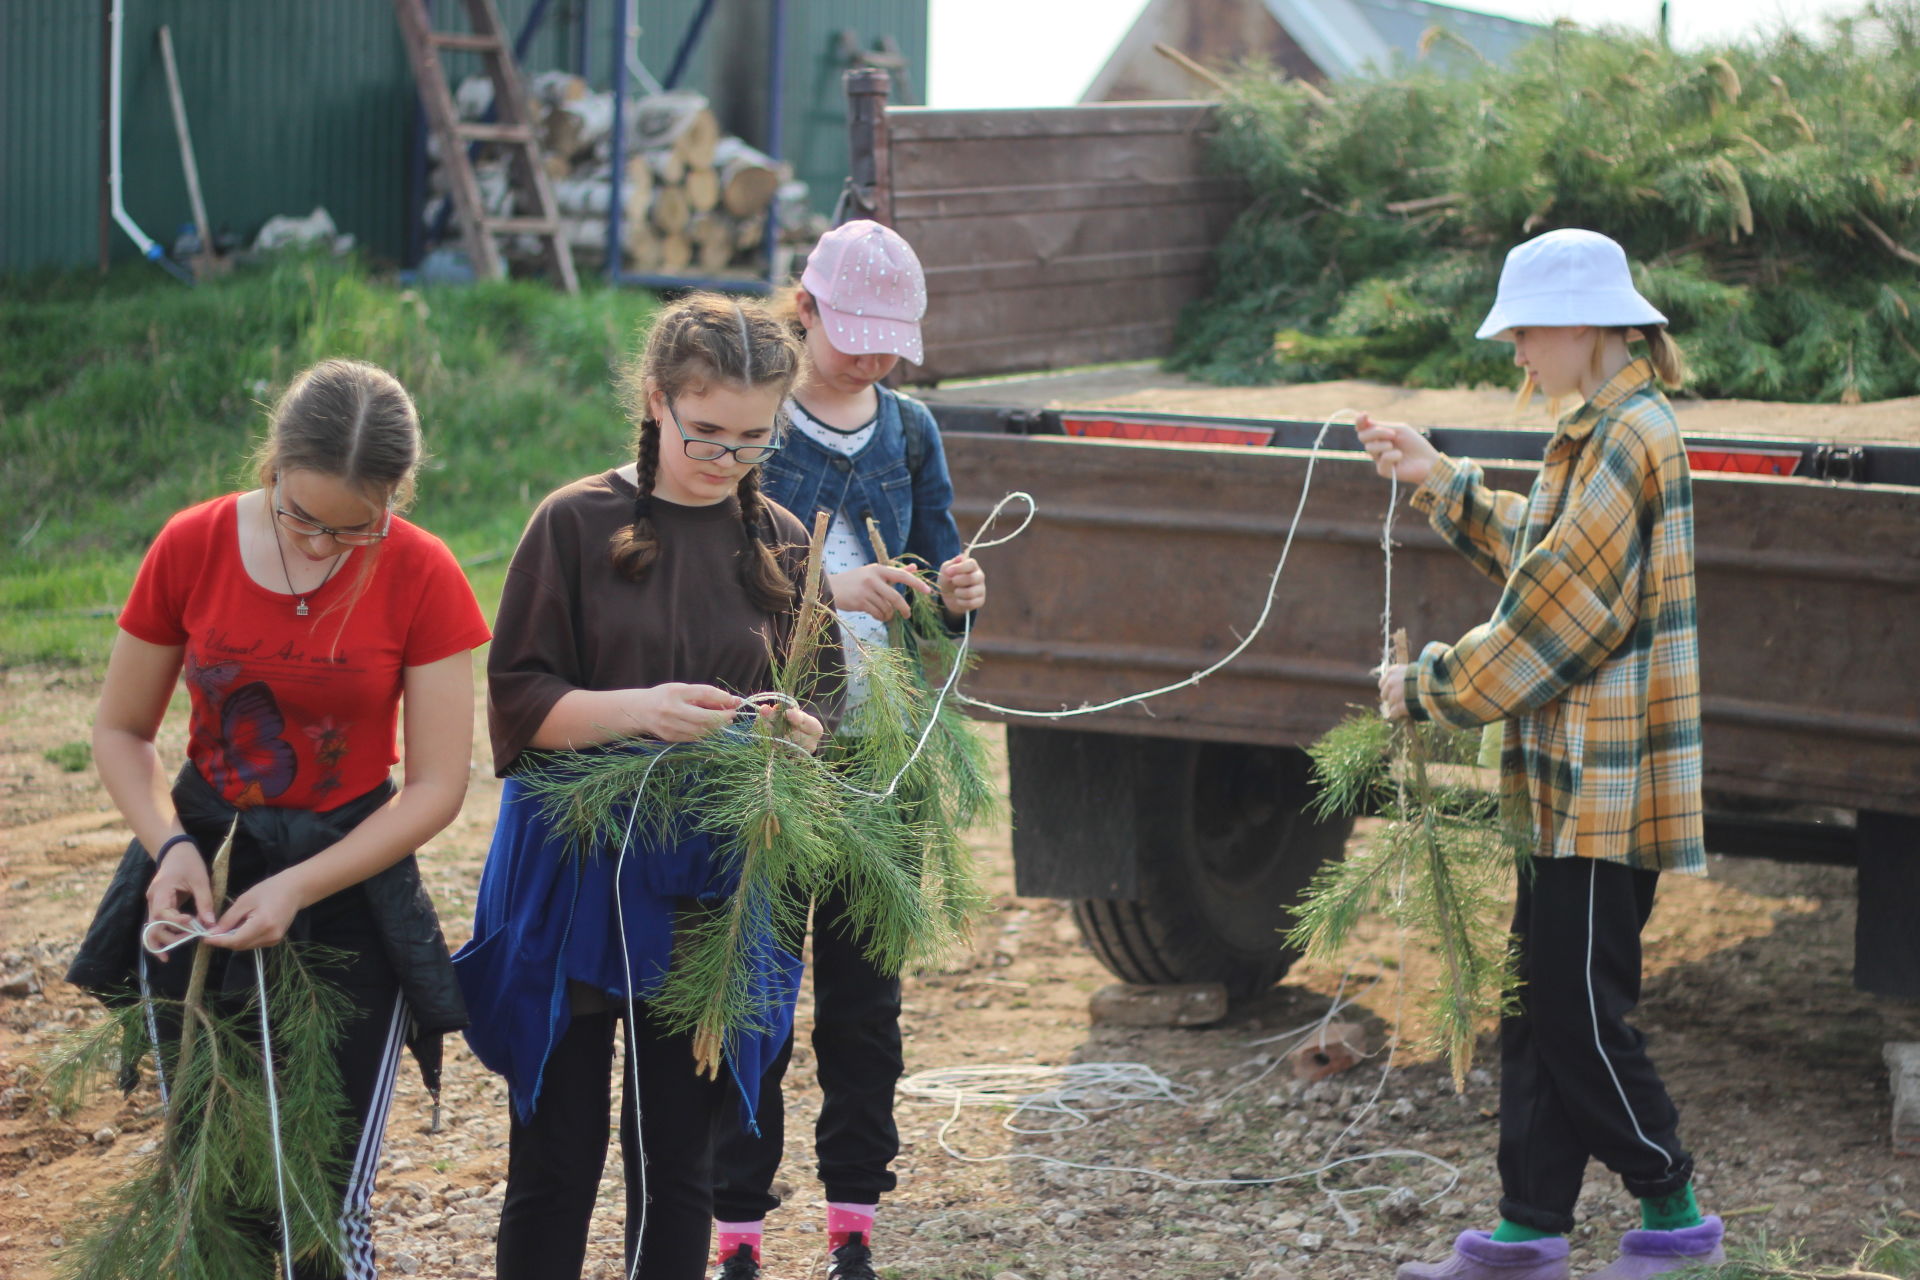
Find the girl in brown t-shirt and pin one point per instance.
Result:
(641, 602)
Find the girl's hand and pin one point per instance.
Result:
(1397, 449)
(803, 730)
(963, 584)
(180, 882)
(260, 917)
(870, 589)
(1393, 691)
(680, 712)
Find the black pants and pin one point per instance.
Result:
(857, 1055)
(555, 1159)
(1575, 1079)
(369, 1049)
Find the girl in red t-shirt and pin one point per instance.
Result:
(305, 615)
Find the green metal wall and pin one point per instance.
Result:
(301, 104)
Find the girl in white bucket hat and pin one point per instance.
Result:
(1590, 662)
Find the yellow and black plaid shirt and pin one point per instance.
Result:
(1592, 656)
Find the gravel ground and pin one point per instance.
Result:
(1774, 1058)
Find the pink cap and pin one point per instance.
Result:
(870, 290)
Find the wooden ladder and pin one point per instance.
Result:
(513, 129)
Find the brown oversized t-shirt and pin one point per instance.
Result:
(568, 619)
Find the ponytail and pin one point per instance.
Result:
(1664, 353)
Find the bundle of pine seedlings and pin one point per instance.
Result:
(1439, 866)
(1767, 194)
(207, 1202)
(879, 815)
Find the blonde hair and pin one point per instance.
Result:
(1663, 353)
(703, 339)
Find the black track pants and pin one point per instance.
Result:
(1575, 1079)
(555, 1159)
(857, 1052)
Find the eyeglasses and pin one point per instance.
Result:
(749, 455)
(305, 528)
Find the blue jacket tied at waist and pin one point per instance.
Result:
(547, 915)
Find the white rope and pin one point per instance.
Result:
(1266, 611)
(626, 963)
(189, 932)
(1081, 1090)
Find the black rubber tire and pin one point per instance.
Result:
(1227, 851)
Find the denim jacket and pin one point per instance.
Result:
(914, 512)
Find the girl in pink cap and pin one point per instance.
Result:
(861, 451)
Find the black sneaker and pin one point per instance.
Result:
(851, 1261)
(739, 1265)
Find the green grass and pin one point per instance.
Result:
(125, 398)
(70, 757)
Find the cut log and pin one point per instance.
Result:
(749, 233)
(698, 140)
(574, 129)
(712, 241)
(662, 120)
(748, 178)
(670, 211)
(639, 181)
(642, 246)
(556, 87)
(586, 193)
(676, 252)
(667, 166)
(702, 186)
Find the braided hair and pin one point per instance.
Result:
(700, 340)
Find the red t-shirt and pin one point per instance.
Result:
(294, 712)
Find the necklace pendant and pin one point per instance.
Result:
(301, 609)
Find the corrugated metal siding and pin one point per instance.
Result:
(294, 106)
(49, 144)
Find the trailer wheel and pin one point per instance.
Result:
(1224, 852)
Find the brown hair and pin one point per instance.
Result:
(354, 422)
(703, 339)
(350, 420)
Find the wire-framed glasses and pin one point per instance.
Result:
(750, 455)
(305, 528)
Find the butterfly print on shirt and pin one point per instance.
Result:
(252, 757)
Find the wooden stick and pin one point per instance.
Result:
(1423, 203)
(807, 625)
(1888, 243)
(193, 1014)
(1191, 67)
(186, 143)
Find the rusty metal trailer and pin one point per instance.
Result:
(1178, 827)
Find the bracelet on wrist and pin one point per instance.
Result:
(169, 843)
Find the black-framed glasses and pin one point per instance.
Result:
(305, 528)
(748, 455)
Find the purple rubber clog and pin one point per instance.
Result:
(1478, 1256)
(1650, 1253)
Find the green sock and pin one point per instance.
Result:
(1514, 1233)
(1670, 1213)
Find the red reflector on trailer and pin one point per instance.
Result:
(1753, 462)
(1115, 428)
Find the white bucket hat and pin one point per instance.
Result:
(1567, 277)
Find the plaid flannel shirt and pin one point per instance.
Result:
(1592, 655)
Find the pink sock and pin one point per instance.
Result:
(734, 1234)
(845, 1219)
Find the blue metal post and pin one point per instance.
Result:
(688, 41)
(580, 20)
(776, 131)
(622, 23)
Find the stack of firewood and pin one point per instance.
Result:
(694, 200)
